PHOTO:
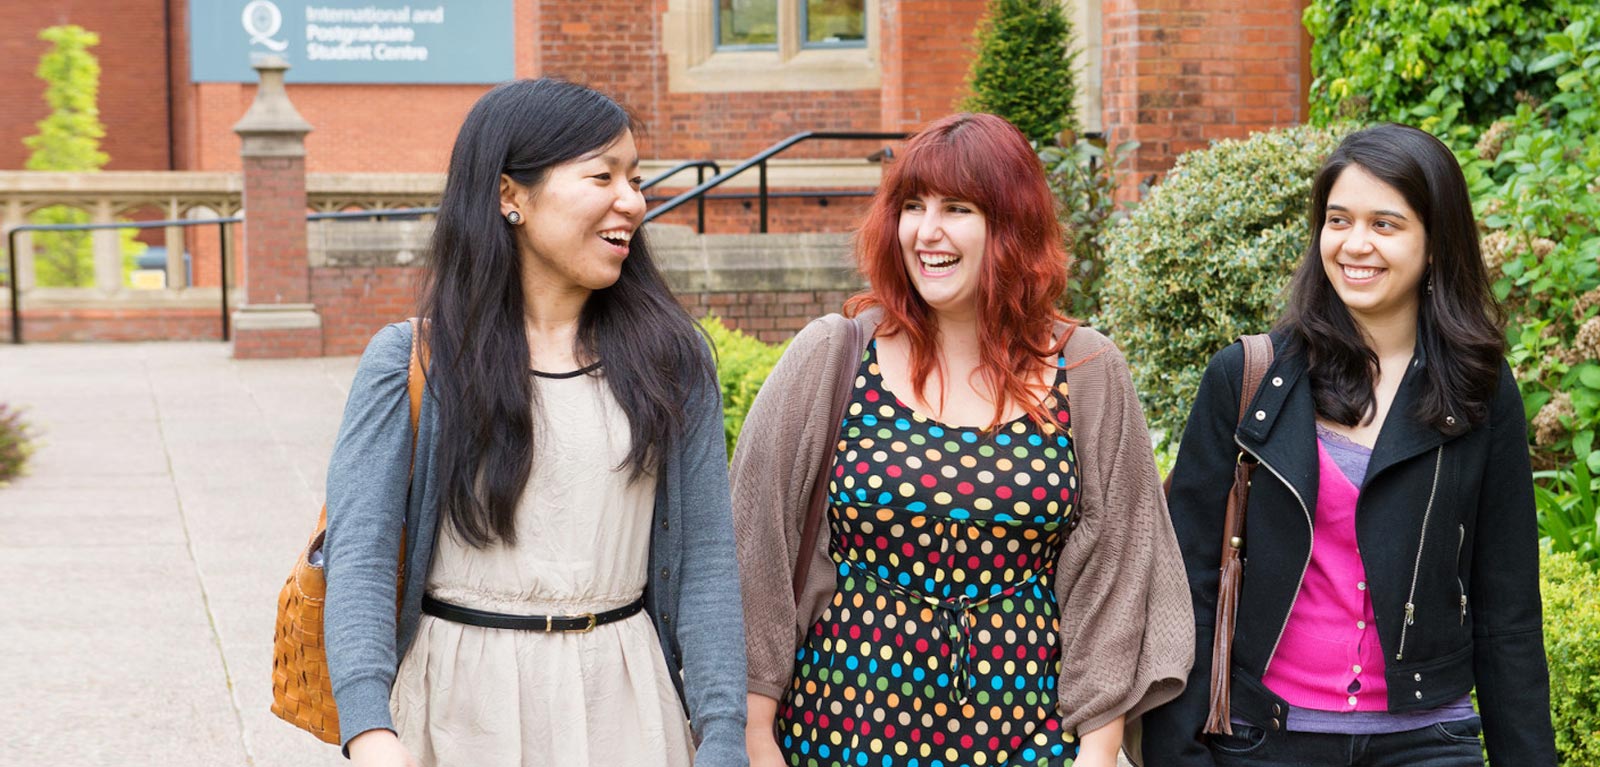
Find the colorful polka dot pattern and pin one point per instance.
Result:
(940, 647)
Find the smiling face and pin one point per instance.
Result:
(1374, 248)
(578, 221)
(942, 240)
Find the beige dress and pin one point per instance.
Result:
(469, 695)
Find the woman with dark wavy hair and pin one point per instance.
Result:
(569, 593)
(996, 582)
(1391, 544)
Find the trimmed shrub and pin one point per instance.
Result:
(16, 444)
(1204, 259)
(1023, 70)
(1572, 645)
(743, 364)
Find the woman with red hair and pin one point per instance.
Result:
(996, 581)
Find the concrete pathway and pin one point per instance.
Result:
(143, 555)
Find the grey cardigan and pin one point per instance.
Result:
(692, 595)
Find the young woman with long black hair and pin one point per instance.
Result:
(1390, 539)
(570, 592)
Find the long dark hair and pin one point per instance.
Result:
(654, 361)
(1459, 324)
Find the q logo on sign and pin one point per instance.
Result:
(262, 20)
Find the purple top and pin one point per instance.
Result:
(1303, 680)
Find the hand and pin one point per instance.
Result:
(379, 748)
(1098, 748)
(1095, 758)
(759, 741)
(763, 750)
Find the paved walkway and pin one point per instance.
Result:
(142, 557)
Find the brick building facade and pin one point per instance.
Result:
(1172, 74)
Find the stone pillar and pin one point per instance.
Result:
(276, 317)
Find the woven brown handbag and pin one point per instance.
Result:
(302, 692)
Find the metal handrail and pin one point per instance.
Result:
(16, 284)
(760, 161)
(699, 178)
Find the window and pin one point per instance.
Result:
(720, 46)
(747, 25)
(753, 25)
(833, 23)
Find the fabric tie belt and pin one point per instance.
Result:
(951, 618)
(579, 624)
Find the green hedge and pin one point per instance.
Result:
(1205, 258)
(1442, 65)
(1572, 643)
(743, 363)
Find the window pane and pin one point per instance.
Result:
(836, 21)
(747, 22)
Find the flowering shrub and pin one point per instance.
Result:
(16, 443)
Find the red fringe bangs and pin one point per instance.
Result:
(983, 160)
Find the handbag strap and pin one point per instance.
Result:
(416, 382)
(1257, 359)
(819, 487)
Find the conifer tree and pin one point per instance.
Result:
(1024, 67)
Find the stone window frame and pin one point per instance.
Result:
(694, 65)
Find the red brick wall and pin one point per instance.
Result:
(927, 48)
(1177, 75)
(357, 302)
(52, 325)
(768, 315)
(133, 70)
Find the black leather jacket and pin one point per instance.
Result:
(1448, 537)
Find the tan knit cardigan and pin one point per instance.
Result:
(1127, 628)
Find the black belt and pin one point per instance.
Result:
(580, 624)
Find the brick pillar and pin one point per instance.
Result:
(1178, 75)
(276, 317)
(926, 51)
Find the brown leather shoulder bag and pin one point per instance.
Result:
(1257, 359)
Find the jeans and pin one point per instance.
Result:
(1447, 744)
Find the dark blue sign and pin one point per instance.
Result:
(349, 41)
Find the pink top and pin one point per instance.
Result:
(1329, 658)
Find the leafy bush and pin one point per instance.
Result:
(1568, 501)
(1432, 64)
(1572, 645)
(1536, 178)
(1205, 257)
(16, 444)
(1084, 179)
(1023, 70)
(743, 364)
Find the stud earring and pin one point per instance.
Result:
(513, 218)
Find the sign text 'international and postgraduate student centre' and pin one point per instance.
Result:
(328, 41)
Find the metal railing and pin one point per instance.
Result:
(15, 283)
(699, 178)
(759, 161)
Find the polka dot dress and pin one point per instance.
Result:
(940, 647)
